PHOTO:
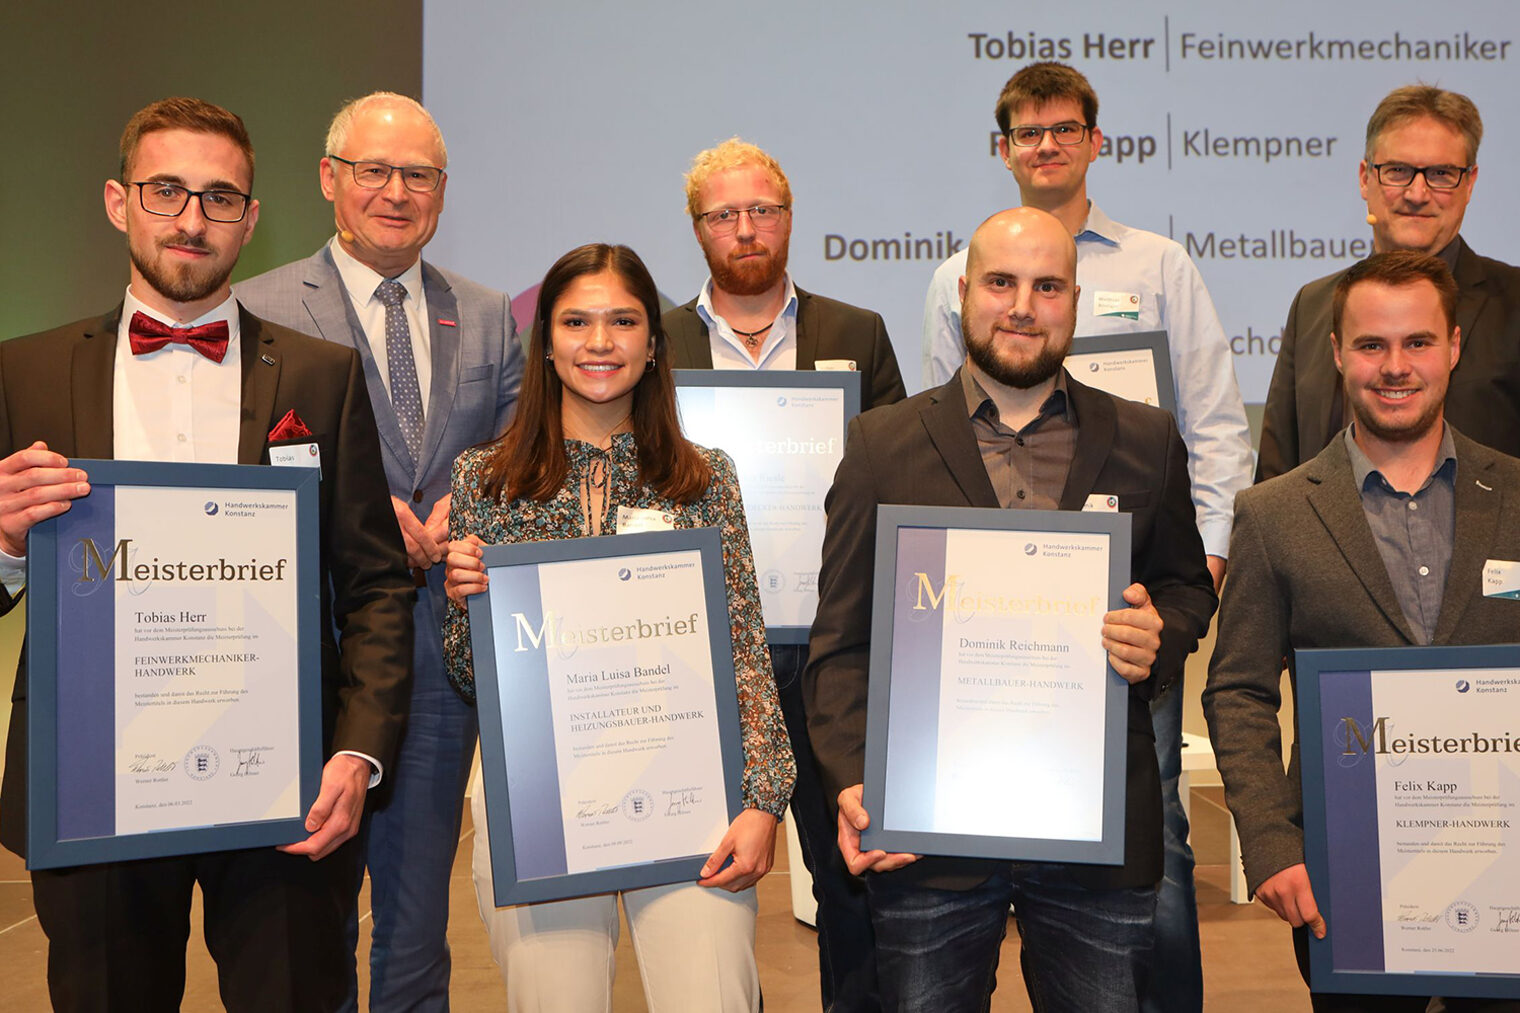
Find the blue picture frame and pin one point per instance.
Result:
(1341, 827)
(911, 689)
(849, 382)
(70, 706)
(522, 714)
(1154, 342)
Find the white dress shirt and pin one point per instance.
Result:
(777, 351)
(361, 280)
(1116, 260)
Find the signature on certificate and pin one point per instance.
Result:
(1508, 921)
(149, 763)
(248, 761)
(682, 801)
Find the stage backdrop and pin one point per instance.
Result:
(1236, 131)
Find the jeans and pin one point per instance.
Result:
(1084, 951)
(846, 951)
(1176, 986)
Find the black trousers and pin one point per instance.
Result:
(273, 923)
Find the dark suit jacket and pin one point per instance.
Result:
(826, 329)
(1304, 401)
(477, 369)
(1305, 572)
(56, 386)
(923, 451)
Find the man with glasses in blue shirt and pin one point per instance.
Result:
(1132, 280)
(1417, 177)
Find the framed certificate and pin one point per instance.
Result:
(1411, 770)
(785, 431)
(173, 663)
(995, 726)
(1136, 367)
(609, 719)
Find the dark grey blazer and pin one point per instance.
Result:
(923, 451)
(826, 329)
(1305, 572)
(1304, 401)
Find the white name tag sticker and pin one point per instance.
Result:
(1501, 579)
(1102, 503)
(1117, 304)
(835, 365)
(631, 520)
(296, 455)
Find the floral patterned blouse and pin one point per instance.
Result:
(769, 769)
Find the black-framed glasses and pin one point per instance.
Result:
(1030, 135)
(377, 175)
(171, 199)
(1437, 177)
(762, 217)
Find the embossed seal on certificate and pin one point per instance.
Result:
(202, 763)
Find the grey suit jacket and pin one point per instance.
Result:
(826, 329)
(477, 369)
(923, 451)
(1304, 401)
(1305, 572)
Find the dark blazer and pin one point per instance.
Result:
(923, 451)
(1305, 572)
(1304, 401)
(826, 329)
(477, 369)
(56, 386)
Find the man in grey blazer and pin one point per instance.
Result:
(1379, 541)
(443, 367)
(1417, 177)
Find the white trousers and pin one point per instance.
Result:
(695, 947)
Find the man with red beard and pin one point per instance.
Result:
(749, 315)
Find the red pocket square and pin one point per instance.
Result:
(289, 428)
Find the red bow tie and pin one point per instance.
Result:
(148, 335)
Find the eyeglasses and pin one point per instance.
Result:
(762, 217)
(1030, 135)
(171, 199)
(377, 175)
(1437, 177)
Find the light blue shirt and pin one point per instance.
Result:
(777, 351)
(1115, 262)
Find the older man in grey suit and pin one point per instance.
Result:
(443, 367)
(1379, 541)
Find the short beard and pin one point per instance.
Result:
(190, 283)
(748, 277)
(1406, 433)
(1021, 377)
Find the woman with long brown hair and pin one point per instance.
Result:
(596, 441)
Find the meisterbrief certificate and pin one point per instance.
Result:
(1420, 816)
(997, 666)
(178, 675)
(786, 441)
(610, 708)
(1135, 366)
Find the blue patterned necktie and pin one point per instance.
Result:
(406, 396)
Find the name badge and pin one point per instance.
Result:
(631, 520)
(1116, 304)
(835, 365)
(296, 455)
(1501, 579)
(1102, 503)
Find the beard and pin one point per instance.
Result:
(185, 283)
(1405, 431)
(751, 276)
(1021, 376)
